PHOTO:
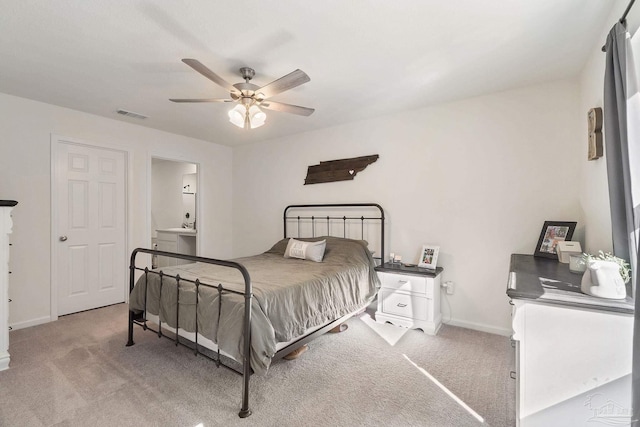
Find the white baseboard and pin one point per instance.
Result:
(32, 322)
(4, 360)
(479, 327)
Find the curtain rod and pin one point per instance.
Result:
(626, 11)
(623, 18)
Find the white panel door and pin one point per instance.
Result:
(90, 210)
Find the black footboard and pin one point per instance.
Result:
(140, 318)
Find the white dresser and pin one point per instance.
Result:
(573, 351)
(5, 229)
(409, 297)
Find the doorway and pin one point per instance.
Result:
(88, 226)
(174, 207)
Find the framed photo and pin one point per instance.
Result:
(428, 257)
(552, 233)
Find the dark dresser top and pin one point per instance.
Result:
(402, 269)
(8, 203)
(527, 274)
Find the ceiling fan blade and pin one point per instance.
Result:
(291, 80)
(201, 100)
(199, 67)
(287, 108)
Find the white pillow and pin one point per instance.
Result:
(313, 251)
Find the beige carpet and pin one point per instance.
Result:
(77, 372)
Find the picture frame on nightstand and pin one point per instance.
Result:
(428, 257)
(552, 233)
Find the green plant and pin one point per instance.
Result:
(625, 268)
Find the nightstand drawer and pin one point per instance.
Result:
(406, 305)
(409, 283)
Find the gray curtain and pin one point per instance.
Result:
(616, 143)
(619, 176)
(635, 370)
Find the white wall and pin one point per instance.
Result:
(476, 177)
(25, 129)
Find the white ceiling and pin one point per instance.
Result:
(365, 58)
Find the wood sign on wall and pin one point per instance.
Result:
(594, 119)
(338, 170)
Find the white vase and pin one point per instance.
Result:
(602, 279)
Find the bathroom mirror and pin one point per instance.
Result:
(189, 194)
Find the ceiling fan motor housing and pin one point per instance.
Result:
(247, 73)
(247, 90)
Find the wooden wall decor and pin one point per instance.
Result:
(594, 118)
(338, 170)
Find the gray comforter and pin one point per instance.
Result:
(290, 296)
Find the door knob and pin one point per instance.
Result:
(63, 238)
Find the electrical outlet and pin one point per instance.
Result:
(448, 286)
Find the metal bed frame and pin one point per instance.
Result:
(245, 371)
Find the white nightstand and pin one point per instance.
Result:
(409, 297)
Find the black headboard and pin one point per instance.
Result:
(338, 220)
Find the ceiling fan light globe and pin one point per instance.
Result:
(256, 124)
(257, 117)
(236, 115)
(256, 113)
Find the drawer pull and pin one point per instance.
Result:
(401, 305)
(10, 300)
(402, 282)
(512, 375)
(10, 328)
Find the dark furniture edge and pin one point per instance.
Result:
(533, 294)
(416, 271)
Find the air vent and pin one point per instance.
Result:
(131, 114)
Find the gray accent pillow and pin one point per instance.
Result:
(313, 251)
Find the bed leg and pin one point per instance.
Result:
(130, 341)
(246, 357)
(244, 410)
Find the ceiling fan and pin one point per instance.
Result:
(250, 98)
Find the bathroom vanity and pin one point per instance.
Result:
(178, 240)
